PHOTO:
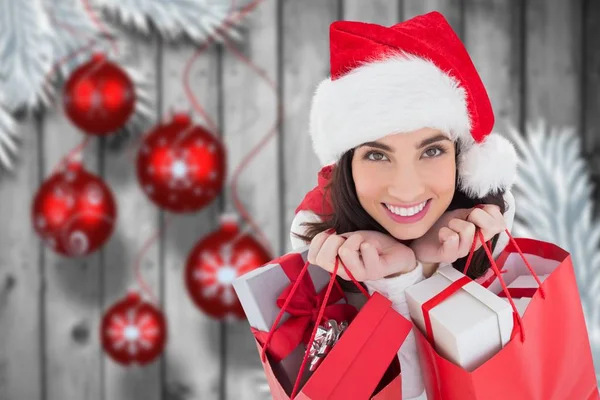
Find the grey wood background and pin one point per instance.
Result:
(538, 59)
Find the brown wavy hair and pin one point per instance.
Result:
(349, 216)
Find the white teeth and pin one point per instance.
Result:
(406, 212)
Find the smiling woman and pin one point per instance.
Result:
(403, 128)
(405, 181)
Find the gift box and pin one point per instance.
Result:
(258, 291)
(522, 290)
(363, 363)
(469, 326)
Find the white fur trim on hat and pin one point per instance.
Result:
(487, 167)
(401, 93)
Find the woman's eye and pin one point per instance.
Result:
(376, 156)
(434, 152)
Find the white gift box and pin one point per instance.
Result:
(470, 326)
(522, 282)
(258, 291)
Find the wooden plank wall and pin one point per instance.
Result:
(538, 59)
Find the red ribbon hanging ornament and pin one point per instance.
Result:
(215, 262)
(133, 331)
(181, 166)
(99, 96)
(74, 211)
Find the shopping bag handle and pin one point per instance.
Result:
(479, 235)
(295, 286)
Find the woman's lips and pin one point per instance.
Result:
(408, 219)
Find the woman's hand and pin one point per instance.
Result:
(368, 255)
(452, 235)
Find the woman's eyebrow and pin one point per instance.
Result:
(378, 146)
(431, 140)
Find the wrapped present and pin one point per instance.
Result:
(466, 326)
(355, 352)
(258, 292)
(522, 290)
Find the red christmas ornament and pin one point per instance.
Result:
(215, 262)
(181, 166)
(99, 96)
(133, 331)
(74, 212)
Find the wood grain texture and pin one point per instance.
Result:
(137, 222)
(21, 275)
(493, 39)
(305, 42)
(381, 12)
(451, 9)
(250, 111)
(553, 62)
(193, 352)
(73, 298)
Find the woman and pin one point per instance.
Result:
(403, 127)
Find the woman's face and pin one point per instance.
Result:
(406, 181)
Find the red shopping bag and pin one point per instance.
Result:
(548, 356)
(363, 364)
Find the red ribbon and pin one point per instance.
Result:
(303, 309)
(439, 298)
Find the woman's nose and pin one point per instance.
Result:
(406, 185)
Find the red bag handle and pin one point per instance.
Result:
(498, 273)
(332, 281)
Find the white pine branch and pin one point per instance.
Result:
(8, 137)
(196, 19)
(25, 54)
(553, 193)
(74, 34)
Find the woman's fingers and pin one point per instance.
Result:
(466, 232)
(350, 255)
(489, 219)
(329, 252)
(449, 244)
(370, 257)
(315, 246)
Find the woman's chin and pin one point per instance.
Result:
(408, 233)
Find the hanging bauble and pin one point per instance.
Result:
(99, 96)
(215, 262)
(181, 166)
(74, 212)
(133, 331)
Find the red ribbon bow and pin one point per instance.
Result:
(303, 309)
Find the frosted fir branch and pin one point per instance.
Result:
(8, 139)
(174, 19)
(74, 34)
(145, 108)
(554, 200)
(25, 54)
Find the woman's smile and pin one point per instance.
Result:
(407, 215)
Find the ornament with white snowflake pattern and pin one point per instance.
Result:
(181, 166)
(74, 211)
(133, 331)
(215, 262)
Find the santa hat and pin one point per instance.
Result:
(406, 77)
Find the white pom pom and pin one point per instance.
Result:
(487, 167)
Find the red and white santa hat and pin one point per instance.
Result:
(415, 74)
